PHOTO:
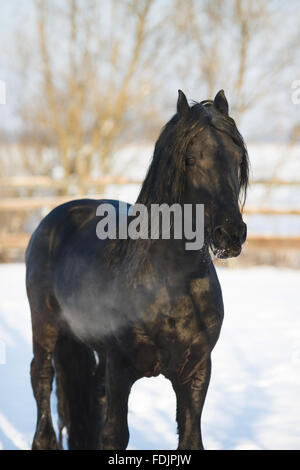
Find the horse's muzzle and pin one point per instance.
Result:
(227, 241)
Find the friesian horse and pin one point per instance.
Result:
(108, 312)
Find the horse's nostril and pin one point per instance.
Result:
(236, 236)
(221, 236)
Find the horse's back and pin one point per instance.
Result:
(61, 224)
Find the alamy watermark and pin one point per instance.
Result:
(2, 92)
(296, 92)
(160, 221)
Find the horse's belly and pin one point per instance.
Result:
(89, 307)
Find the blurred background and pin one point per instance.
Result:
(87, 86)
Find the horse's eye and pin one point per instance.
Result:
(190, 161)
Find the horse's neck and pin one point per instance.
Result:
(172, 256)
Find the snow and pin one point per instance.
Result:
(253, 397)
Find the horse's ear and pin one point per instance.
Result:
(182, 105)
(221, 102)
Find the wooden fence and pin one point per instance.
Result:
(18, 241)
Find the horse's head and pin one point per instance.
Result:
(216, 171)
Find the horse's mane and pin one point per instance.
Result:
(226, 124)
(165, 179)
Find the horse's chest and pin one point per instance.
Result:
(181, 316)
(166, 346)
(163, 343)
(179, 326)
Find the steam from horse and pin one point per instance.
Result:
(108, 312)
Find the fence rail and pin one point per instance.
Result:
(47, 182)
(35, 203)
(18, 241)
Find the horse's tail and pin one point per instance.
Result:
(75, 367)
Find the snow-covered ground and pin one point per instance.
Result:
(253, 399)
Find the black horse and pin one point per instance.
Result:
(108, 312)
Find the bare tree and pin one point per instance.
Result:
(93, 67)
(239, 45)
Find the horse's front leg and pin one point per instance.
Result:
(119, 380)
(190, 396)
